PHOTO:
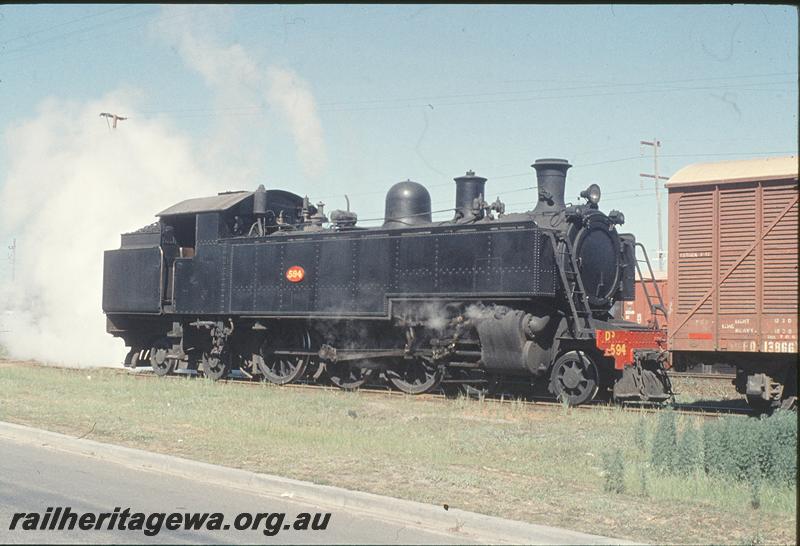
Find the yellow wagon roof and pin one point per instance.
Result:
(743, 170)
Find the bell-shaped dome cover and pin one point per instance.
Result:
(407, 204)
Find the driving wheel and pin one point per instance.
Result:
(574, 378)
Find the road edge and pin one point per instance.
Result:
(454, 522)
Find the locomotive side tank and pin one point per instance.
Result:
(254, 281)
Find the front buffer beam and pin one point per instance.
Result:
(642, 361)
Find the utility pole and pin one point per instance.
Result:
(13, 259)
(113, 117)
(656, 144)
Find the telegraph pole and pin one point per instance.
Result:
(113, 117)
(656, 144)
(13, 259)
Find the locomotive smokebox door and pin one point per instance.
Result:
(598, 253)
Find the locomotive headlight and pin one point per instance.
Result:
(592, 194)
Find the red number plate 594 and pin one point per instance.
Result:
(295, 274)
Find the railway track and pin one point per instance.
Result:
(700, 410)
(697, 375)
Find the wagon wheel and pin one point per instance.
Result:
(574, 378)
(414, 376)
(278, 363)
(215, 365)
(348, 376)
(160, 361)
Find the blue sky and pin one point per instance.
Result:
(420, 92)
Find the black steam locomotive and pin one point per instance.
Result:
(255, 281)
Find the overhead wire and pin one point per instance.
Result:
(62, 24)
(115, 32)
(249, 111)
(659, 90)
(576, 88)
(427, 101)
(324, 106)
(612, 192)
(74, 32)
(530, 203)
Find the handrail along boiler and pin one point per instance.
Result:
(266, 283)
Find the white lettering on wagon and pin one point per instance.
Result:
(779, 347)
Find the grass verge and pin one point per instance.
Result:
(591, 471)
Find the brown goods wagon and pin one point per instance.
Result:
(639, 310)
(733, 262)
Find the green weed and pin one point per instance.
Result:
(689, 452)
(754, 481)
(643, 480)
(640, 435)
(614, 472)
(741, 448)
(664, 451)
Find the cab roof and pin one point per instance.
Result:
(216, 203)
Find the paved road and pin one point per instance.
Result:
(33, 478)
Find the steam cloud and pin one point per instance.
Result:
(71, 189)
(236, 78)
(72, 186)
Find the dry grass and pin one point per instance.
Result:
(505, 460)
(693, 389)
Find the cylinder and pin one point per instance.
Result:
(551, 176)
(468, 188)
(407, 204)
(260, 201)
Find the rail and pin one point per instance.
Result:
(696, 409)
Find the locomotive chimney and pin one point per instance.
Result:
(468, 188)
(551, 176)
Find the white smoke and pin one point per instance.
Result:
(478, 312)
(435, 316)
(72, 185)
(238, 79)
(288, 91)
